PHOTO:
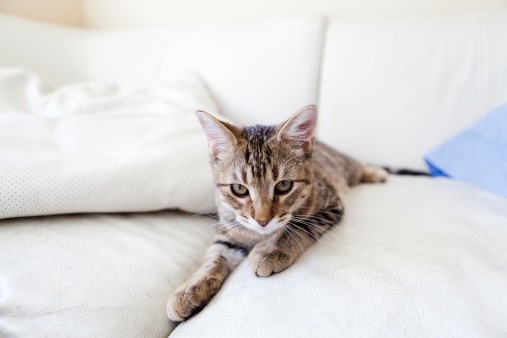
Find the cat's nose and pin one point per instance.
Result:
(263, 222)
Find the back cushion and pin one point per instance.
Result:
(57, 52)
(393, 89)
(259, 72)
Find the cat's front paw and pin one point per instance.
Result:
(189, 300)
(266, 261)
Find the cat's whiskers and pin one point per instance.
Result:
(292, 235)
(316, 218)
(226, 225)
(303, 236)
(320, 229)
(225, 230)
(304, 230)
(315, 225)
(327, 231)
(234, 226)
(213, 225)
(214, 233)
(319, 212)
(205, 214)
(306, 221)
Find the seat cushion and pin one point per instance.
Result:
(95, 275)
(415, 257)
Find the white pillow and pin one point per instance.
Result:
(87, 147)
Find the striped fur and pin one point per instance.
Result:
(259, 157)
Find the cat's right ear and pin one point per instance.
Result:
(220, 138)
(300, 128)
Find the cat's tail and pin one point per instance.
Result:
(406, 172)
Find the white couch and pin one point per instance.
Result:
(414, 257)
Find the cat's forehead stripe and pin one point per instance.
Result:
(258, 154)
(274, 169)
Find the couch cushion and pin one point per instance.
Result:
(95, 275)
(416, 257)
(258, 71)
(393, 89)
(57, 52)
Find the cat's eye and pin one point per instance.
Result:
(283, 187)
(239, 190)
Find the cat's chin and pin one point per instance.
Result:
(268, 229)
(264, 231)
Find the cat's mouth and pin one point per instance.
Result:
(268, 228)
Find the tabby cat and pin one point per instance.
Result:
(277, 192)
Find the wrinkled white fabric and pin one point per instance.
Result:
(416, 257)
(102, 147)
(95, 275)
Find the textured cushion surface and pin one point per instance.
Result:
(117, 147)
(95, 275)
(415, 257)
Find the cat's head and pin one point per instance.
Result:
(262, 174)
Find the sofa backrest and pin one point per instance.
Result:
(388, 90)
(393, 89)
(139, 13)
(259, 72)
(56, 52)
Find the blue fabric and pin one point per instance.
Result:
(478, 155)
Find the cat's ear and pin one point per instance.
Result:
(300, 128)
(220, 134)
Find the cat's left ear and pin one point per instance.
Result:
(221, 135)
(301, 127)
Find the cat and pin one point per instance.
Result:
(277, 192)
